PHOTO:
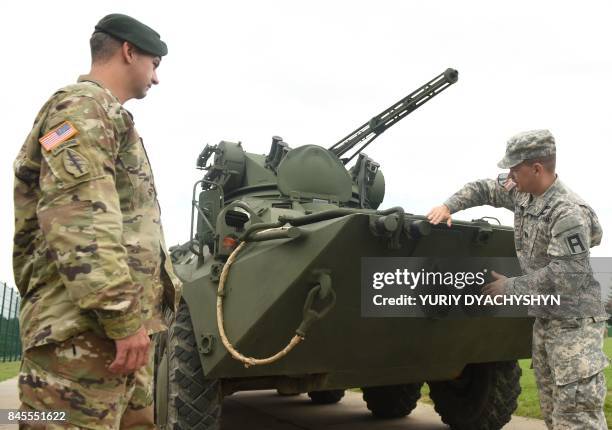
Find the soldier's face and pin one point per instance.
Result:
(144, 74)
(525, 177)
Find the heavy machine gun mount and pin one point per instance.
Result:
(369, 131)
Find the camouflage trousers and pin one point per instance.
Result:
(568, 362)
(73, 376)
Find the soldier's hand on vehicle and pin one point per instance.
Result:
(132, 353)
(497, 287)
(440, 214)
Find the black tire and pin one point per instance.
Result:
(482, 398)
(188, 401)
(326, 397)
(392, 401)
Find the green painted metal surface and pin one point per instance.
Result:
(334, 210)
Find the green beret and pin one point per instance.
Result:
(126, 28)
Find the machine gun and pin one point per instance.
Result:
(369, 131)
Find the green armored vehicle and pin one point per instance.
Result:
(272, 290)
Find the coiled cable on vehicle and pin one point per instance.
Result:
(247, 361)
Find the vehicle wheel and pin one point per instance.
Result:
(184, 398)
(392, 401)
(326, 397)
(482, 398)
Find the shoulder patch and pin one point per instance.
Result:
(566, 223)
(67, 144)
(570, 242)
(576, 243)
(75, 163)
(59, 134)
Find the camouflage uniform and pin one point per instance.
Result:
(73, 376)
(89, 255)
(553, 233)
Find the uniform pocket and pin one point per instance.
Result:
(584, 395)
(51, 378)
(569, 323)
(519, 222)
(576, 352)
(591, 393)
(141, 189)
(537, 237)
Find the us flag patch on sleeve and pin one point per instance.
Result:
(59, 134)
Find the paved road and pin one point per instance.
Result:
(265, 410)
(9, 398)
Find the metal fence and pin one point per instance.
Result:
(10, 342)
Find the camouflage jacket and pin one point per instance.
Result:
(552, 234)
(89, 251)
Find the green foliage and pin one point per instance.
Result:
(9, 369)
(528, 401)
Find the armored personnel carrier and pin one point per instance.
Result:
(272, 297)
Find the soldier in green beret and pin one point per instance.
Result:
(89, 256)
(553, 232)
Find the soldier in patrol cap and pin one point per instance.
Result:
(553, 232)
(89, 255)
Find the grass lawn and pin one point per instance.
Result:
(528, 403)
(9, 369)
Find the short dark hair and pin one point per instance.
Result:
(103, 46)
(549, 162)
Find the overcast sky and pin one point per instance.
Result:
(313, 71)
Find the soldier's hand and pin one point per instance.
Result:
(440, 214)
(497, 287)
(132, 352)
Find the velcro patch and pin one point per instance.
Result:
(566, 223)
(75, 163)
(60, 147)
(59, 134)
(576, 243)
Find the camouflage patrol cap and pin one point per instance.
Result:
(128, 29)
(526, 146)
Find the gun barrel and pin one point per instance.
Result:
(365, 134)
